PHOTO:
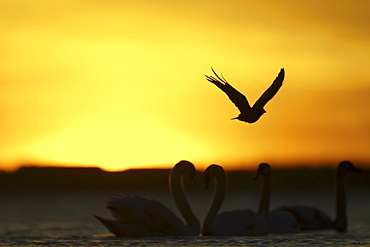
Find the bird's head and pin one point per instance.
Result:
(252, 116)
(347, 167)
(238, 117)
(264, 169)
(212, 172)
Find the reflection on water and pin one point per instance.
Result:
(55, 217)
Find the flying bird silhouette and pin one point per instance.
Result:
(247, 113)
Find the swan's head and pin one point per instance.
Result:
(346, 166)
(182, 168)
(212, 172)
(264, 169)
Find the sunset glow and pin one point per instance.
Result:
(120, 84)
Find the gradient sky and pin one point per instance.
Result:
(120, 84)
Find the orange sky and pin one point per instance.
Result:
(120, 84)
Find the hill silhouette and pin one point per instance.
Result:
(66, 178)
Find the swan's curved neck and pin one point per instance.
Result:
(264, 205)
(340, 223)
(178, 194)
(218, 197)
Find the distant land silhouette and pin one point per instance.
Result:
(67, 178)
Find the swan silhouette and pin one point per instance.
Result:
(278, 221)
(248, 114)
(137, 216)
(311, 218)
(232, 223)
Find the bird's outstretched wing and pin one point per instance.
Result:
(235, 96)
(271, 91)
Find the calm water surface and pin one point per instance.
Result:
(64, 218)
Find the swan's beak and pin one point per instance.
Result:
(192, 176)
(208, 181)
(259, 173)
(257, 176)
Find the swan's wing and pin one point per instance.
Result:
(133, 230)
(281, 221)
(271, 91)
(234, 95)
(310, 218)
(129, 208)
(144, 211)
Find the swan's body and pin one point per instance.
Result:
(278, 221)
(233, 223)
(247, 113)
(143, 217)
(311, 218)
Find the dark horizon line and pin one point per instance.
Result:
(303, 165)
(94, 178)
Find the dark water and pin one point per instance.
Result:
(64, 218)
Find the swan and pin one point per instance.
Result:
(278, 221)
(232, 223)
(311, 218)
(138, 216)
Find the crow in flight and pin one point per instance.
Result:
(248, 114)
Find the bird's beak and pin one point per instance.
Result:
(259, 173)
(257, 176)
(234, 118)
(192, 176)
(208, 181)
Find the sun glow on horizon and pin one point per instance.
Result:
(141, 142)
